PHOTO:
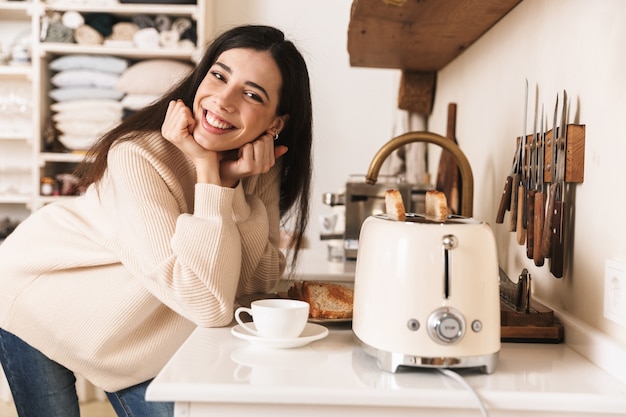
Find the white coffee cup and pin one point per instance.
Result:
(275, 318)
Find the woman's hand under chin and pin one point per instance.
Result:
(254, 158)
(177, 128)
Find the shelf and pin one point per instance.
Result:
(61, 157)
(18, 71)
(65, 48)
(14, 199)
(16, 136)
(418, 35)
(128, 9)
(12, 10)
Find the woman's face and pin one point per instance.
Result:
(236, 101)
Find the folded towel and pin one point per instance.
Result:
(85, 128)
(169, 39)
(86, 35)
(57, 32)
(162, 22)
(72, 19)
(85, 78)
(87, 105)
(88, 115)
(82, 93)
(147, 38)
(181, 25)
(123, 31)
(143, 21)
(102, 22)
(138, 101)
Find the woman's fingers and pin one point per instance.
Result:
(178, 123)
(256, 157)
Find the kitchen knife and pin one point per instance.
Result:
(539, 198)
(557, 244)
(505, 200)
(547, 226)
(521, 188)
(515, 188)
(531, 185)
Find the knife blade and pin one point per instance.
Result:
(557, 243)
(539, 197)
(521, 187)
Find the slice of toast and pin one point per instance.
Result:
(327, 300)
(436, 205)
(394, 205)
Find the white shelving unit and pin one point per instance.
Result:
(24, 160)
(18, 127)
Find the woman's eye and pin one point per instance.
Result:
(254, 96)
(218, 75)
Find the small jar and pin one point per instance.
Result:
(47, 186)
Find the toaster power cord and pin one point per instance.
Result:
(458, 378)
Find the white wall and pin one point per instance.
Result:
(351, 106)
(575, 45)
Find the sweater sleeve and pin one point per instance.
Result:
(257, 218)
(191, 262)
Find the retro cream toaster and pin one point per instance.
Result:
(426, 293)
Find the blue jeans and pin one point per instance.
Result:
(43, 388)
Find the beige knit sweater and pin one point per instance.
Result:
(111, 283)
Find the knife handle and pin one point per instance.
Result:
(538, 232)
(530, 225)
(546, 235)
(521, 199)
(557, 244)
(505, 201)
(513, 208)
(525, 208)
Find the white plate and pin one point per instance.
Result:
(311, 333)
(330, 321)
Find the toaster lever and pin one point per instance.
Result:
(449, 242)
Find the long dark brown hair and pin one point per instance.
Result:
(295, 101)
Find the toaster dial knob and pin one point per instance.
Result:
(446, 325)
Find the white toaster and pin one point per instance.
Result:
(426, 293)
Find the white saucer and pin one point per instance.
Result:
(311, 333)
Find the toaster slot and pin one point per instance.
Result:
(449, 242)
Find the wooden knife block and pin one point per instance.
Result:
(538, 326)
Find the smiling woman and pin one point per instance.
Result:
(182, 212)
(235, 104)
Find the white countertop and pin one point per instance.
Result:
(222, 373)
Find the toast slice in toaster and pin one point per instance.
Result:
(394, 205)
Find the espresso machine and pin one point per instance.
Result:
(362, 200)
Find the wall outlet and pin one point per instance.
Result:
(615, 291)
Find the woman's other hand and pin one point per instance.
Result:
(254, 158)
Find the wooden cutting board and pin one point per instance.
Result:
(448, 174)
